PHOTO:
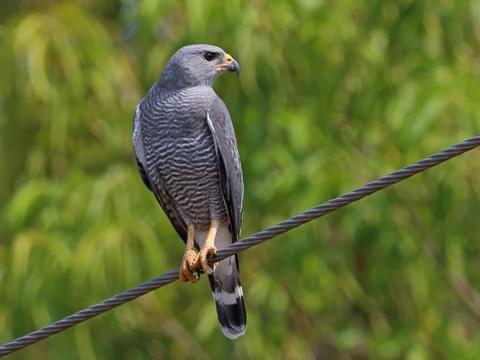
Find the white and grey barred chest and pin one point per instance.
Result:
(180, 154)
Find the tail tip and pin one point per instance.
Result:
(231, 313)
(233, 333)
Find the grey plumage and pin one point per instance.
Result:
(187, 156)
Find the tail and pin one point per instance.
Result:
(228, 295)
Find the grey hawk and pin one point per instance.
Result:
(187, 156)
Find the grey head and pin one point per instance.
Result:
(195, 65)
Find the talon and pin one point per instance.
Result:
(187, 269)
(202, 259)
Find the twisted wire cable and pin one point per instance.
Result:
(248, 242)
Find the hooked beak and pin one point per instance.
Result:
(229, 64)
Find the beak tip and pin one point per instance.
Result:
(234, 66)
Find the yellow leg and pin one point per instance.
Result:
(189, 258)
(208, 247)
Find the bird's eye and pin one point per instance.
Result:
(209, 56)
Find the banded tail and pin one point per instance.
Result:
(228, 296)
(226, 287)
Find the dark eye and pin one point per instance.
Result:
(209, 56)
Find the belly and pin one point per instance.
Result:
(190, 177)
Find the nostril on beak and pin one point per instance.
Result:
(229, 58)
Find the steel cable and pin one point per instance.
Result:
(244, 244)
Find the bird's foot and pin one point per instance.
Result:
(189, 264)
(202, 259)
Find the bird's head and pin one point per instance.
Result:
(195, 65)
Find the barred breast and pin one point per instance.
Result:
(180, 153)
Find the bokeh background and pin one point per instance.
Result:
(331, 95)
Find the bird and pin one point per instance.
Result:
(186, 151)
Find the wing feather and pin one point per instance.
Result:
(229, 166)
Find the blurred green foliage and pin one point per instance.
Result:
(331, 95)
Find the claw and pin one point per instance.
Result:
(187, 269)
(202, 259)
